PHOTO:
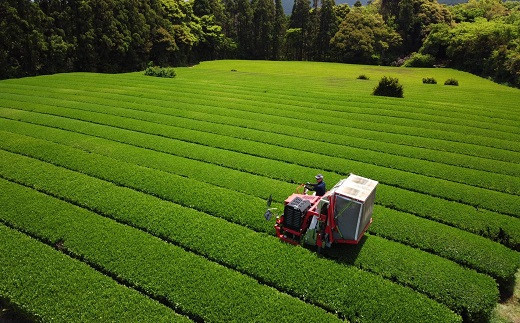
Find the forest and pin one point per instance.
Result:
(53, 36)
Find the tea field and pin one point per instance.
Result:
(133, 198)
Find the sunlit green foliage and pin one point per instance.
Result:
(489, 48)
(69, 290)
(485, 293)
(363, 37)
(192, 159)
(186, 282)
(413, 19)
(167, 72)
(389, 86)
(420, 60)
(52, 36)
(453, 82)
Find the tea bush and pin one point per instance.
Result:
(453, 82)
(391, 298)
(389, 86)
(429, 80)
(167, 72)
(62, 280)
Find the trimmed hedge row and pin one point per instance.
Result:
(498, 182)
(498, 227)
(191, 283)
(383, 118)
(288, 119)
(370, 108)
(258, 121)
(252, 164)
(259, 186)
(312, 97)
(495, 226)
(320, 96)
(462, 247)
(193, 226)
(473, 305)
(475, 252)
(225, 242)
(454, 272)
(286, 126)
(68, 290)
(496, 201)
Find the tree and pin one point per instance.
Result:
(56, 29)
(263, 22)
(229, 26)
(219, 11)
(327, 29)
(244, 25)
(413, 19)
(341, 11)
(300, 19)
(180, 22)
(363, 37)
(215, 8)
(473, 9)
(311, 35)
(300, 14)
(49, 36)
(211, 41)
(208, 27)
(278, 29)
(487, 48)
(239, 26)
(86, 56)
(202, 8)
(293, 41)
(22, 42)
(141, 18)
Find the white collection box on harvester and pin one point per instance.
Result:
(353, 204)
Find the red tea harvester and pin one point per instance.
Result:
(342, 215)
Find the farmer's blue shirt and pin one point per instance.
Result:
(319, 188)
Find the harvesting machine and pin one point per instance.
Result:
(342, 215)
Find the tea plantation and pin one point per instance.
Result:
(135, 198)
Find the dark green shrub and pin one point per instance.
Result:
(451, 82)
(389, 86)
(429, 80)
(420, 60)
(363, 77)
(168, 72)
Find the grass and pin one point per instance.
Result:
(210, 146)
(509, 310)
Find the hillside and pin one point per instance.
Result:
(148, 194)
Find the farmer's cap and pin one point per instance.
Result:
(319, 176)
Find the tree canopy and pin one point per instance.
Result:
(363, 37)
(50, 36)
